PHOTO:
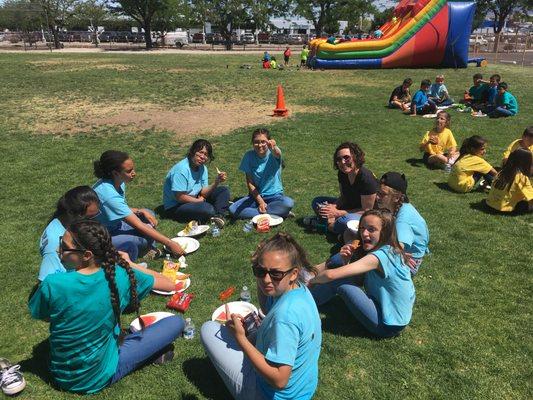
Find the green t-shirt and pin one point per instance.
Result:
(507, 100)
(304, 54)
(83, 331)
(479, 93)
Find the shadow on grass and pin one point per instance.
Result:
(202, 374)
(415, 162)
(444, 186)
(483, 207)
(38, 364)
(340, 321)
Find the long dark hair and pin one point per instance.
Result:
(286, 244)
(93, 236)
(519, 161)
(471, 145)
(110, 160)
(73, 204)
(199, 145)
(358, 154)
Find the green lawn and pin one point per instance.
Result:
(470, 336)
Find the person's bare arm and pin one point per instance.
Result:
(252, 189)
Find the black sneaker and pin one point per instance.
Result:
(219, 221)
(11, 380)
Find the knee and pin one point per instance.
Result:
(206, 211)
(208, 331)
(222, 191)
(288, 202)
(173, 325)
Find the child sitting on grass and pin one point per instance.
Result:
(506, 104)
(421, 104)
(273, 63)
(438, 92)
(512, 190)
(400, 96)
(476, 96)
(525, 142)
(470, 167)
(439, 145)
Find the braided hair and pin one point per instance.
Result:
(93, 236)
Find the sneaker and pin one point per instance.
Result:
(167, 356)
(291, 215)
(219, 221)
(11, 380)
(153, 254)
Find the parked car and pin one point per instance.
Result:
(294, 39)
(198, 37)
(278, 38)
(263, 37)
(478, 40)
(178, 39)
(248, 38)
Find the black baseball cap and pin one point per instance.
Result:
(396, 181)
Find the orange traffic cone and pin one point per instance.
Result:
(280, 110)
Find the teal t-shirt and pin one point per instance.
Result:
(438, 90)
(479, 93)
(291, 335)
(49, 243)
(182, 178)
(412, 231)
(394, 292)
(113, 206)
(265, 172)
(509, 101)
(83, 331)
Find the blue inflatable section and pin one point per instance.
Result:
(360, 63)
(460, 20)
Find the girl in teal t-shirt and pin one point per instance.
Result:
(84, 305)
(385, 305)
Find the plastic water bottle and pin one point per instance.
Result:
(245, 294)
(448, 168)
(215, 232)
(248, 226)
(188, 331)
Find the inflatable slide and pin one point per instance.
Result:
(421, 33)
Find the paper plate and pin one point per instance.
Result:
(190, 245)
(274, 219)
(200, 230)
(187, 284)
(429, 116)
(235, 307)
(353, 225)
(159, 315)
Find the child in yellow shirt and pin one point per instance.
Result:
(439, 145)
(525, 142)
(470, 167)
(512, 190)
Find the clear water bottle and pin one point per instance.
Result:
(248, 226)
(448, 168)
(215, 231)
(245, 294)
(188, 331)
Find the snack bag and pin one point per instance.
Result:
(170, 269)
(226, 294)
(180, 301)
(263, 224)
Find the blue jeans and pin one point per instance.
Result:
(500, 112)
(216, 204)
(340, 223)
(141, 347)
(234, 368)
(126, 238)
(247, 208)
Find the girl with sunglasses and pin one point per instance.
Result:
(132, 229)
(78, 203)
(187, 194)
(358, 188)
(262, 166)
(385, 305)
(283, 362)
(87, 345)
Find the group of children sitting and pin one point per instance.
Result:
(269, 62)
(490, 98)
(509, 190)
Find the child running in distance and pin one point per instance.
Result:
(471, 167)
(400, 96)
(385, 305)
(421, 104)
(438, 92)
(283, 361)
(262, 166)
(525, 142)
(88, 348)
(511, 189)
(506, 104)
(439, 145)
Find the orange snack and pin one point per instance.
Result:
(263, 224)
(226, 294)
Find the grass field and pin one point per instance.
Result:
(470, 336)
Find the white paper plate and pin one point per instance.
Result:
(429, 116)
(274, 219)
(353, 225)
(187, 284)
(190, 245)
(159, 315)
(235, 307)
(200, 230)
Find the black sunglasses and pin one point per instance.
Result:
(343, 158)
(275, 275)
(63, 248)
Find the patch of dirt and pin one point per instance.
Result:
(76, 66)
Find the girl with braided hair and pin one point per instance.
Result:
(283, 361)
(84, 306)
(385, 305)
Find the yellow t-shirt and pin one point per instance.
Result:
(446, 141)
(512, 147)
(506, 200)
(461, 177)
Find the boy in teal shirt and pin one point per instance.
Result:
(477, 94)
(506, 104)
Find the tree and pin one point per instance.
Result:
(91, 13)
(380, 17)
(501, 9)
(356, 11)
(319, 11)
(20, 15)
(226, 15)
(198, 11)
(260, 12)
(56, 14)
(174, 16)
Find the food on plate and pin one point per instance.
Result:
(222, 317)
(191, 227)
(170, 269)
(148, 320)
(263, 224)
(179, 285)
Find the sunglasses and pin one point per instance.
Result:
(343, 158)
(275, 275)
(63, 248)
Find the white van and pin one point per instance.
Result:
(178, 39)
